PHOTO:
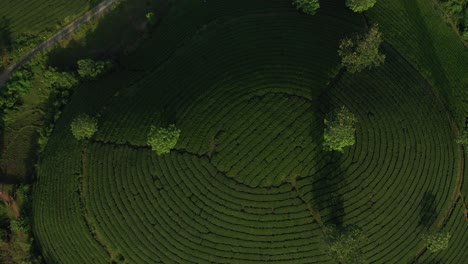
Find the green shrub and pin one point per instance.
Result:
(360, 5)
(309, 7)
(84, 126)
(437, 241)
(344, 244)
(89, 69)
(162, 140)
(59, 80)
(339, 131)
(150, 18)
(362, 52)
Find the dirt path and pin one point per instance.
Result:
(10, 202)
(56, 38)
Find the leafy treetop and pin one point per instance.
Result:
(89, 69)
(309, 7)
(463, 138)
(344, 244)
(360, 5)
(339, 131)
(162, 140)
(83, 126)
(437, 241)
(362, 51)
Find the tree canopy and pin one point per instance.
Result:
(344, 244)
(362, 52)
(59, 80)
(339, 131)
(360, 5)
(89, 69)
(437, 240)
(309, 7)
(162, 140)
(83, 126)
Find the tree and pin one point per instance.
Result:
(89, 69)
(437, 240)
(463, 138)
(360, 5)
(84, 126)
(162, 140)
(150, 18)
(309, 7)
(362, 51)
(59, 80)
(344, 244)
(339, 131)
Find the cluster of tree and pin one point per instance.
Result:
(339, 130)
(163, 139)
(362, 51)
(310, 7)
(19, 84)
(160, 139)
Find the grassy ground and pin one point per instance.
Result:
(245, 181)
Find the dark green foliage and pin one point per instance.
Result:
(344, 244)
(360, 5)
(340, 131)
(437, 240)
(83, 126)
(162, 140)
(89, 69)
(362, 52)
(462, 139)
(457, 11)
(309, 7)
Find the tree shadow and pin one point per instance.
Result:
(326, 189)
(5, 34)
(427, 210)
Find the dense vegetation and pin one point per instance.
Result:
(291, 145)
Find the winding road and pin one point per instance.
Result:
(106, 4)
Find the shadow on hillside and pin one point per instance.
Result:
(429, 51)
(427, 210)
(5, 37)
(118, 33)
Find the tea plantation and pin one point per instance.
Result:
(249, 83)
(26, 16)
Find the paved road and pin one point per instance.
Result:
(56, 38)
